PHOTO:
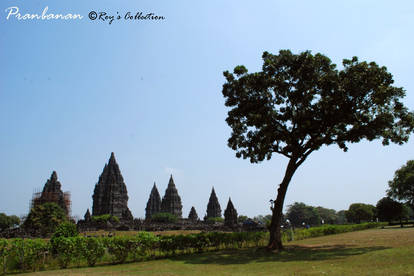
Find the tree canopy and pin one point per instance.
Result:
(402, 185)
(300, 102)
(329, 216)
(299, 213)
(43, 219)
(359, 212)
(389, 209)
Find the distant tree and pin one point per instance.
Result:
(43, 219)
(389, 209)
(299, 213)
(328, 216)
(402, 185)
(242, 218)
(298, 103)
(8, 221)
(359, 212)
(263, 220)
(341, 217)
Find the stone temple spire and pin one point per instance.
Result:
(213, 206)
(230, 214)
(171, 202)
(52, 192)
(87, 216)
(52, 184)
(153, 204)
(110, 195)
(193, 214)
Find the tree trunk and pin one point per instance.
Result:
(275, 240)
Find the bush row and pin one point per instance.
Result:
(37, 254)
(300, 234)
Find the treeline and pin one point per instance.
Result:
(18, 255)
(386, 210)
(299, 214)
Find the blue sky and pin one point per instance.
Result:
(71, 92)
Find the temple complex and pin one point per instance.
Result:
(193, 214)
(110, 195)
(213, 206)
(52, 192)
(153, 204)
(171, 202)
(230, 215)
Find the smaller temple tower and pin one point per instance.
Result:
(153, 204)
(87, 217)
(213, 206)
(193, 214)
(171, 202)
(230, 214)
(52, 192)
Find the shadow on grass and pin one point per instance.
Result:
(292, 253)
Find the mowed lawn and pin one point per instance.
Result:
(369, 252)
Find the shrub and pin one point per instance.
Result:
(66, 229)
(214, 220)
(119, 248)
(164, 217)
(145, 242)
(105, 218)
(66, 249)
(27, 254)
(4, 253)
(92, 250)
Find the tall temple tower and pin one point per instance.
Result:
(171, 202)
(213, 206)
(153, 204)
(110, 195)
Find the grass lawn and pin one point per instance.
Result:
(369, 252)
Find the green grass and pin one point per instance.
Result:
(387, 251)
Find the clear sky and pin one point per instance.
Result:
(71, 92)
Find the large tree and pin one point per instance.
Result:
(389, 209)
(329, 216)
(43, 219)
(359, 212)
(299, 213)
(402, 186)
(300, 102)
